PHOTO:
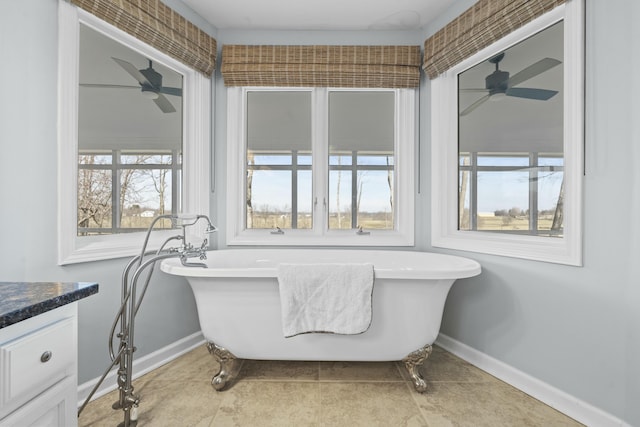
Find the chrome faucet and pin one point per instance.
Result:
(130, 303)
(187, 250)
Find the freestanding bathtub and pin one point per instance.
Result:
(239, 307)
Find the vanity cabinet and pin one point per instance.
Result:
(38, 367)
(39, 353)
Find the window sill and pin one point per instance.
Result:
(309, 238)
(545, 249)
(99, 248)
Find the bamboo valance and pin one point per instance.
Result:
(484, 23)
(158, 26)
(321, 66)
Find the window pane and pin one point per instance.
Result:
(464, 220)
(269, 199)
(550, 161)
(95, 159)
(145, 159)
(340, 200)
(511, 126)
(278, 148)
(361, 159)
(338, 159)
(503, 202)
(124, 135)
(488, 160)
(94, 202)
(549, 210)
(269, 159)
(305, 202)
(145, 194)
(374, 204)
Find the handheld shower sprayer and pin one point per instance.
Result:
(187, 250)
(130, 303)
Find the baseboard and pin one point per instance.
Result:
(571, 406)
(141, 366)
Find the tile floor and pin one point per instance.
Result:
(278, 393)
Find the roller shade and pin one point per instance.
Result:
(484, 23)
(321, 66)
(158, 26)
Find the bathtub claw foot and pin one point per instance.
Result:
(229, 366)
(413, 362)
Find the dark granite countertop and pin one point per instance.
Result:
(22, 300)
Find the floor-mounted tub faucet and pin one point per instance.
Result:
(130, 303)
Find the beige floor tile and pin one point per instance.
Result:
(181, 403)
(284, 393)
(99, 413)
(273, 370)
(368, 404)
(490, 404)
(196, 364)
(359, 371)
(264, 404)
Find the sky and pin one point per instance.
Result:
(496, 190)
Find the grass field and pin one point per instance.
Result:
(371, 221)
(509, 223)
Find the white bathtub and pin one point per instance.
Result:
(239, 306)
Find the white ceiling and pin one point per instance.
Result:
(319, 14)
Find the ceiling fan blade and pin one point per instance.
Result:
(133, 71)
(533, 70)
(475, 105)
(164, 104)
(175, 91)
(529, 93)
(99, 85)
(473, 90)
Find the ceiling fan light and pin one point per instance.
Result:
(498, 96)
(150, 94)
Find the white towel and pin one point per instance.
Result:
(330, 298)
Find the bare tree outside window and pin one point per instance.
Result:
(123, 192)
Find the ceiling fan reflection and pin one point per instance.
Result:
(498, 83)
(149, 83)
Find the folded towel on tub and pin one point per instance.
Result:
(330, 298)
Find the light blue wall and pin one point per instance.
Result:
(28, 196)
(577, 329)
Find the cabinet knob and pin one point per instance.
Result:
(46, 356)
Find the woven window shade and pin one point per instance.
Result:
(321, 66)
(484, 23)
(158, 26)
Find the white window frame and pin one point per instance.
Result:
(444, 149)
(320, 235)
(195, 137)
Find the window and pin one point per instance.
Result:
(319, 166)
(124, 158)
(518, 193)
(507, 144)
(121, 191)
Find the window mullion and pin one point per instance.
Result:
(320, 162)
(294, 189)
(115, 191)
(473, 195)
(175, 189)
(354, 189)
(533, 193)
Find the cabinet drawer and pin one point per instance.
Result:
(33, 362)
(55, 407)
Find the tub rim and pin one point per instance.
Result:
(463, 267)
